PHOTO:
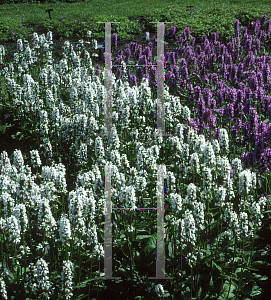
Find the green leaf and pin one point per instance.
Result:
(217, 266)
(151, 245)
(141, 237)
(256, 290)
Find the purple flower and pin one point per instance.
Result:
(249, 60)
(268, 26)
(207, 117)
(213, 37)
(224, 71)
(265, 103)
(198, 49)
(253, 122)
(153, 74)
(229, 111)
(139, 73)
(172, 57)
(187, 31)
(184, 72)
(97, 70)
(269, 112)
(176, 72)
(230, 47)
(133, 80)
(233, 74)
(257, 44)
(207, 95)
(192, 42)
(256, 27)
(236, 28)
(172, 32)
(238, 123)
(220, 112)
(127, 52)
(138, 51)
(263, 19)
(114, 39)
(200, 106)
(247, 159)
(142, 60)
(253, 83)
(265, 160)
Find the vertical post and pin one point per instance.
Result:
(108, 227)
(108, 75)
(160, 262)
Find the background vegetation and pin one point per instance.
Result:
(74, 18)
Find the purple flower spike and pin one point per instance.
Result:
(114, 39)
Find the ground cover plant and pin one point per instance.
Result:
(217, 202)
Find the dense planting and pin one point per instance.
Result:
(217, 109)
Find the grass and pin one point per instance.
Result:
(202, 18)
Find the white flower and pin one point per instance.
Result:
(13, 230)
(188, 230)
(98, 251)
(128, 197)
(185, 152)
(207, 178)
(20, 45)
(186, 113)
(216, 146)
(159, 290)
(19, 212)
(221, 196)
(35, 158)
(194, 163)
(8, 202)
(42, 277)
(246, 181)
(89, 34)
(67, 279)
(171, 182)
(64, 229)
(46, 221)
(5, 163)
(82, 154)
(198, 213)
(243, 223)
(18, 160)
(3, 291)
(224, 139)
(209, 155)
(191, 194)
(236, 167)
(176, 202)
(200, 144)
(115, 157)
(191, 137)
(225, 168)
(92, 237)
